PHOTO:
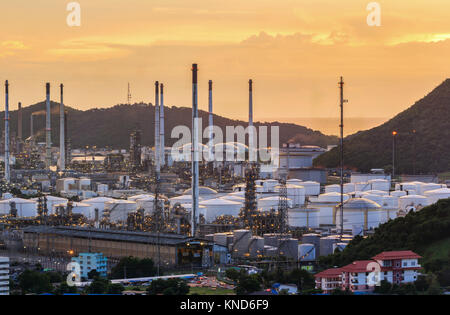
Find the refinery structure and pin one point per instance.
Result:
(180, 210)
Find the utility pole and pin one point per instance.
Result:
(341, 140)
(394, 134)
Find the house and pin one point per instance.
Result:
(329, 280)
(396, 267)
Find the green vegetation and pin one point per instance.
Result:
(132, 267)
(422, 142)
(168, 287)
(34, 282)
(104, 286)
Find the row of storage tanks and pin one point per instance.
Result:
(241, 243)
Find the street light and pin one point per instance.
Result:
(394, 134)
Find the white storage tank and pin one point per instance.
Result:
(218, 207)
(97, 203)
(269, 185)
(308, 218)
(51, 202)
(427, 187)
(363, 186)
(360, 212)
(241, 241)
(182, 199)
(119, 209)
(376, 192)
(25, 208)
(390, 202)
(412, 201)
(376, 198)
(306, 252)
(294, 181)
(380, 184)
(234, 198)
(269, 203)
(136, 197)
(349, 188)
(332, 188)
(398, 193)
(326, 244)
(311, 188)
(434, 196)
(326, 204)
(77, 208)
(295, 193)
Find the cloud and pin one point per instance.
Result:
(11, 47)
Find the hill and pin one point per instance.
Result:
(426, 232)
(112, 126)
(427, 150)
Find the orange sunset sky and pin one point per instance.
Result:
(294, 50)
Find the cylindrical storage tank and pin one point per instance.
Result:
(376, 198)
(136, 197)
(434, 196)
(390, 202)
(295, 193)
(428, 187)
(311, 188)
(339, 246)
(307, 252)
(376, 192)
(349, 188)
(182, 199)
(119, 209)
(294, 181)
(221, 239)
(218, 207)
(326, 204)
(82, 208)
(398, 193)
(289, 248)
(362, 186)
(359, 212)
(256, 247)
(326, 245)
(332, 188)
(308, 218)
(312, 238)
(269, 203)
(271, 239)
(148, 204)
(188, 208)
(380, 184)
(406, 186)
(51, 202)
(234, 198)
(269, 185)
(412, 201)
(97, 203)
(241, 240)
(25, 208)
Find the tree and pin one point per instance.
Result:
(232, 274)
(93, 274)
(339, 291)
(98, 286)
(422, 283)
(115, 288)
(31, 281)
(248, 284)
(168, 287)
(384, 288)
(302, 278)
(435, 288)
(132, 267)
(64, 288)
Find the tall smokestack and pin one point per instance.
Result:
(157, 130)
(48, 129)
(31, 127)
(195, 155)
(250, 103)
(161, 122)
(211, 122)
(7, 170)
(251, 133)
(62, 144)
(19, 122)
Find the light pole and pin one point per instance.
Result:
(394, 134)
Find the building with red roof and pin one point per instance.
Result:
(396, 267)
